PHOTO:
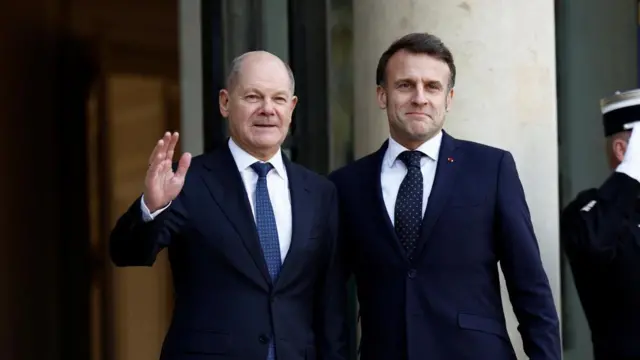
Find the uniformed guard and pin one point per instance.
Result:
(600, 232)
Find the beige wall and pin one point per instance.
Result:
(505, 91)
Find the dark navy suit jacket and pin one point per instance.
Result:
(446, 304)
(225, 301)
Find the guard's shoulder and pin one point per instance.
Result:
(584, 201)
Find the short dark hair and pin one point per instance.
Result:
(417, 43)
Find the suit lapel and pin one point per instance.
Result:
(446, 171)
(301, 220)
(389, 228)
(226, 186)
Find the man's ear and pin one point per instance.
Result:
(619, 149)
(223, 100)
(381, 95)
(449, 100)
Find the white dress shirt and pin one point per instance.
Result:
(277, 183)
(394, 170)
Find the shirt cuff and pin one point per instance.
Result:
(146, 213)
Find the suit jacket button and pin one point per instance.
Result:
(412, 273)
(263, 339)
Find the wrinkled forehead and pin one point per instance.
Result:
(264, 76)
(417, 67)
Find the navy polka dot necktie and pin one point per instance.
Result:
(267, 230)
(408, 209)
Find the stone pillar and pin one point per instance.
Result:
(505, 92)
(191, 79)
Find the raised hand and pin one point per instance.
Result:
(161, 184)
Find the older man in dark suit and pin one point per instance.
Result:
(251, 236)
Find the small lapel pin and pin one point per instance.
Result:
(450, 159)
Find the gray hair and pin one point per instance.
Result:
(234, 71)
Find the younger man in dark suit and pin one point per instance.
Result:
(425, 221)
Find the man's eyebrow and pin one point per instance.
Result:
(412, 81)
(250, 89)
(404, 80)
(255, 90)
(437, 82)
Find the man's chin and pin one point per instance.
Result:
(423, 134)
(267, 141)
(419, 132)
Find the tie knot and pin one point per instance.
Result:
(411, 158)
(262, 169)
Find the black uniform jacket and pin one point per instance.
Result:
(600, 233)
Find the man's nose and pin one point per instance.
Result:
(420, 97)
(268, 108)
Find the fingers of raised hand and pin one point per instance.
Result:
(172, 145)
(164, 149)
(183, 165)
(159, 150)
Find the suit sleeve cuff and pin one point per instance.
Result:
(147, 216)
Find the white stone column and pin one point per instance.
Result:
(505, 92)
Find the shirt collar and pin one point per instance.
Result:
(244, 160)
(431, 148)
